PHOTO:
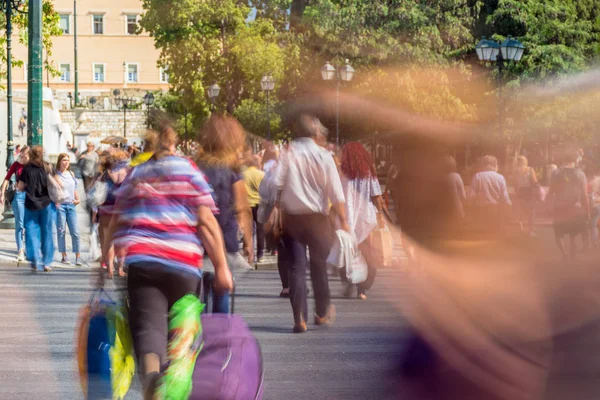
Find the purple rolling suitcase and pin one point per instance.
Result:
(229, 366)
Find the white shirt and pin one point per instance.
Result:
(489, 188)
(308, 179)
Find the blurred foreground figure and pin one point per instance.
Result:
(163, 215)
(494, 316)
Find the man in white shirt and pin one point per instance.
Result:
(308, 184)
(489, 196)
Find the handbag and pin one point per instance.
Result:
(11, 191)
(382, 246)
(274, 224)
(96, 195)
(55, 191)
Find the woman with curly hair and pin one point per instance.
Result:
(364, 206)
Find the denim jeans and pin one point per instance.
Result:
(18, 206)
(67, 215)
(38, 236)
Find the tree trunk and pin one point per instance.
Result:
(296, 12)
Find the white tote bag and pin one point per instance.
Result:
(358, 270)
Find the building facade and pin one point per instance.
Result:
(112, 53)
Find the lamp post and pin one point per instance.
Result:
(267, 83)
(345, 73)
(35, 112)
(8, 6)
(123, 102)
(75, 52)
(213, 93)
(501, 53)
(148, 101)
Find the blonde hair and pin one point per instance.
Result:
(522, 162)
(221, 140)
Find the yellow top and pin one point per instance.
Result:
(252, 178)
(141, 158)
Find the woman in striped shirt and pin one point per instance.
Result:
(163, 217)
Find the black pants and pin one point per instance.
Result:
(283, 264)
(153, 288)
(260, 234)
(312, 231)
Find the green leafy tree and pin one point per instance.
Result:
(50, 28)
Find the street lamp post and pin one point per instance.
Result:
(8, 6)
(501, 53)
(213, 93)
(148, 101)
(267, 84)
(123, 102)
(345, 73)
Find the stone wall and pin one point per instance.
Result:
(99, 124)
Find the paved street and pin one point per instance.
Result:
(347, 361)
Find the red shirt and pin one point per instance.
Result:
(16, 168)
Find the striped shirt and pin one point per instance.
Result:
(158, 206)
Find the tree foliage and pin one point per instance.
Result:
(416, 54)
(50, 28)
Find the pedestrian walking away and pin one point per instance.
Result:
(164, 253)
(307, 183)
(9, 189)
(39, 211)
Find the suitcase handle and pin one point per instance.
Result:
(208, 279)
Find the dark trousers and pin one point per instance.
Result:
(312, 231)
(87, 182)
(153, 288)
(260, 234)
(283, 264)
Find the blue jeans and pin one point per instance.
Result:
(38, 236)
(67, 215)
(218, 301)
(18, 206)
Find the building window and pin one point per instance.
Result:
(64, 23)
(132, 24)
(132, 72)
(99, 73)
(65, 72)
(98, 24)
(164, 75)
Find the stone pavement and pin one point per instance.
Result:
(347, 361)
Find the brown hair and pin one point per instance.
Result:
(109, 159)
(166, 139)
(36, 156)
(150, 139)
(221, 140)
(62, 156)
(24, 149)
